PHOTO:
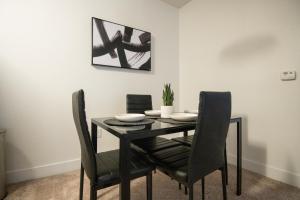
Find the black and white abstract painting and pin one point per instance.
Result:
(120, 46)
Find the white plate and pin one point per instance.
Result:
(153, 112)
(191, 111)
(186, 117)
(131, 128)
(130, 117)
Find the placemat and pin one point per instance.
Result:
(172, 121)
(115, 122)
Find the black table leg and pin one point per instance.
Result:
(124, 169)
(94, 136)
(239, 157)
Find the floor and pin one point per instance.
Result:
(66, 186)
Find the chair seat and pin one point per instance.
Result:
(173, 161)
(186, 140)
(108, 167)
(150, 145)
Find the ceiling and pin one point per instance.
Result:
(177, 3)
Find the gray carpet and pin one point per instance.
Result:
(66, 186)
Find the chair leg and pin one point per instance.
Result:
(203, 187)
(191, 192)
(93, 193)
(185, 133)
(179, 186)
(226, 167)
(224, 183)
(81, 182)
(185, 190)
(149, 186)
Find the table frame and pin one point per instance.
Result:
(126, 139)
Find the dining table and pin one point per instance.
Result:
(127, 134)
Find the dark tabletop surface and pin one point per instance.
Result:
(144, 131)
(154, 129)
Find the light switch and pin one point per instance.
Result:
(288, 75)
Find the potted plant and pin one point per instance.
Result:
(168, 98)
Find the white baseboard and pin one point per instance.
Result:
(69, 165)
(275, 173)
(15, 176)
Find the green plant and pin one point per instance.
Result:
(168, 95)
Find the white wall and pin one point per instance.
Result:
(45, 55)
(242, 46)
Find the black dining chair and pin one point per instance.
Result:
(188, 139)
(137, 103)
(103, 168)
(186, 164)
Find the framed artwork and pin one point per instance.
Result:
(115, 45)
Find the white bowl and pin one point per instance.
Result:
(153, 112)
(130, 117)
(186, 117)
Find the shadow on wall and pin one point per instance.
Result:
(19, 174)
(249, 47)
(259, 150)
(291, 178)
(256, 149)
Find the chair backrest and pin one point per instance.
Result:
(88, 157)
(137, 103)
(207, 153)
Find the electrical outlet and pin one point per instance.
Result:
(288, 75)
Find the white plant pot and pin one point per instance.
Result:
(166, 111)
